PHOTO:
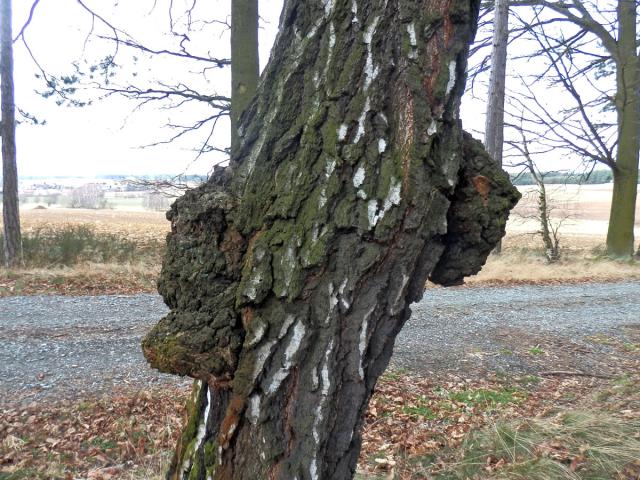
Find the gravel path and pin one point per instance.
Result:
(70, 346)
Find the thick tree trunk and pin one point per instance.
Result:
(620, 237)
(245, 63)
(289, 277)
(10, 207)
(494, 126)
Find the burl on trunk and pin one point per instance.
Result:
(289, 276)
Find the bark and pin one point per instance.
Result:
(10, 207)
(245, 63)
(620, 235)
(494, 127)
(289, 277)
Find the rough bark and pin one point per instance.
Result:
(245, 63)
(620, 235)
(494, 126)
(289, 277)
(10, 207)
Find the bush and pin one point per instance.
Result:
(74, 244)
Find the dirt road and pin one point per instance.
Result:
(55, 347)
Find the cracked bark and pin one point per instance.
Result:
(289, 276)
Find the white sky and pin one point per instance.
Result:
(104, 138)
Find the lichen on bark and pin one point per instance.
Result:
(289, 277)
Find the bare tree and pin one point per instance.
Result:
(10, 203)
(601, 39)
(90, 195)
(549, 231)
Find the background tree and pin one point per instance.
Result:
(245, 62)
(494, 129)
(289, 276)
(603, 38)
(549, 231)
(10, 204)
(89, 195)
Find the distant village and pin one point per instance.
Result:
(112, 192)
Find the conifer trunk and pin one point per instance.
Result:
(494, 125)
(10, 207)
(245, 62)
(289, 277)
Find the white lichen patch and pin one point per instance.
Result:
(367, 36)
(330, 167)
(291, 349)
(251, 291)
(342, 132)
(294, 343)
(343, 299)
(354, 10)
(452, 77)
(202, 426)
(262, 355)
(433, 128)
(413, 39)
(324, 373)
(328, 6)
(288, 321)
(361, 120)
(362, 194)
(333, 302)
(382, 145)
(358, 177)
(322, 200)
(362, 344)
(253, 412)
(394, 196)
(398, 303)
(326, 385)
(374, 213)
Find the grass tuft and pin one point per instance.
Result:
(572, 445)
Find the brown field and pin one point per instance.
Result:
(138, 224)
(584, 210)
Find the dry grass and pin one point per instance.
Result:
(86, 279)
(530, 266)
(572, 445)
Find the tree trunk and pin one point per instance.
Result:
(10, 206)
(494, 126)
(620, 237)
(245, 63)
(289, 277)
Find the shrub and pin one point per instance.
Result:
(74, 244)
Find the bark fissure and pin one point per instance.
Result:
(313, 248)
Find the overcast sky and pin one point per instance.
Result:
(104, 138)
